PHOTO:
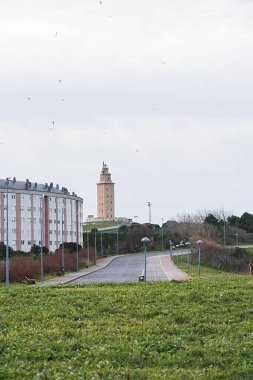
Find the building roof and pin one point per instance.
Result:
(19, 186)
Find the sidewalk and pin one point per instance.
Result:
(60, 280)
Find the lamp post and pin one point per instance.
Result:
(149, 213)
(162, 236)
(188, 258)
(101, 241)
(171, 245)
(145, 241)
(177, 246)
(88, 248)
(224, 232)
(236, 236)
(62, 241)
(41, 242)
(7, 234)
(182, 259)
(77, 239)
(95, 243)
(117, 240)
(199, 242)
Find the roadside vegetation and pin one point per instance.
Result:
(199, 329)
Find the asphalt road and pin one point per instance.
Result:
(130, 267)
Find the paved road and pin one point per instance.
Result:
(130, 267)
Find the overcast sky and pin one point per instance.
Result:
(161, 90)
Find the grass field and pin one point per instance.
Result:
(198, 329)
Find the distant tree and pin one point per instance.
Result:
(3, 250)
(234, 220)
(35, 250)
(45, 250)
(246, 222)
(211, 219)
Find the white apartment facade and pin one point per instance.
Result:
(38, 211)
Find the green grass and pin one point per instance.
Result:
(249, 250)
(198, 329)
(205, 272)
(106, 224)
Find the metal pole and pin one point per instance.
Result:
(162, 236)
(88, 249)
(149, 206)
(188, 261)
(7, 236)
(118, 241)
(62, 243)
(77, 239)
(224, 232)
(145, 262)
(199, 261)
(101, 240)
(95, 243)
(41, 244)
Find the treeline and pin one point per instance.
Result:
(244, 222)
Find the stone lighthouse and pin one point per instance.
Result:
(105, 195)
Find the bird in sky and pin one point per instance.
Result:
(56, 34)
(59, 80)
(101, 2)
(28, 99)
(53, 122)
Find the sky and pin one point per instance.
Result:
(160, 90)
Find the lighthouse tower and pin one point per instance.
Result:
(105, 195)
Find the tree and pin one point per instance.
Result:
(234, 220)
(35, 249)
(246, 222)
(211, 219)
(3, 250)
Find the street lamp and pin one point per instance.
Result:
(182, 260)
(145, 241)
(149, 213)
(236, 236)
(118, 240)
(101, 240)
(41, 241)
(199, 242)
(88, 248)
(188, 243)
(7, 234)
(62, 242)
(177, 246)
(162, 236)
(171, 246)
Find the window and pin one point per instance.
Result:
(22, 242)
(13, 196)
(29, 242)
(50, 232)
(22, 208)
(51, 242)
(28, 208)
(13, 230)
(50, 220)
